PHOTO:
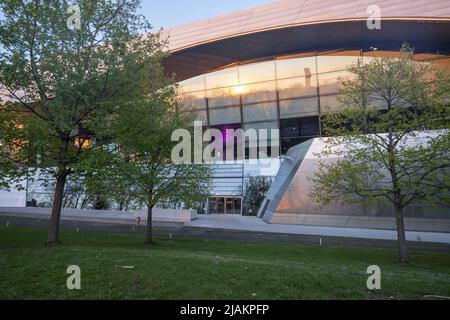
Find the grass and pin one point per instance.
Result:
(195, 269)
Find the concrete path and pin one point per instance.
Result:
(258, 225)
(237, 223)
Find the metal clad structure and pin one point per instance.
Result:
(287, 13)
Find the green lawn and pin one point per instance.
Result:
(194, 269)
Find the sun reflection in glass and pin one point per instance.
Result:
(238, 90)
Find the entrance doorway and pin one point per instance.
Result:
(225, 205)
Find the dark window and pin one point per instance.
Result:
(299, 127)
(309, 126)
(297, 130)
(289, 128)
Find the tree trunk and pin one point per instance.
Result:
(53, 228)
(401, 237)
(148, 230)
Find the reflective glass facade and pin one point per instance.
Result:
(287, 93)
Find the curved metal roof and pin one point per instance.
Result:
(294, 26)
(288, 13)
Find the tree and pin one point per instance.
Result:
(392, 138)
(67, 71)
(142, 168)
(255, 190)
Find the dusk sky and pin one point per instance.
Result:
(169, 13)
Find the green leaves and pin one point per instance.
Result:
(69, 83)
(384, 152)
(256, 189)
(141, 167)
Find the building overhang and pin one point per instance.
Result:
(426, 35)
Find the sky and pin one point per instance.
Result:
(167, 13)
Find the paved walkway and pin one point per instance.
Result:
(258, 225)
(239, 223)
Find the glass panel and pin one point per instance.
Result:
(211, 205)
(297, 87)
(197, 115)
(193, 100)
(226, 130)
(220, 206)
(428, 57)
(223, 78)
(200, 115)
(309, 126)
(229, 206)
(259, 112)
(264, 142)
(299, 127)
(288, 68)
(193, 84)
(376, 53)
(299, 107)
(225, 115)
(332, 82)
(262, 125)
(337, 60)
(222, 97)
(257, 72)
(237, 205)
(373, 55)
(439, 61)
(258, 92)
(329, 103)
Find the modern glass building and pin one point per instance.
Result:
(279, 66)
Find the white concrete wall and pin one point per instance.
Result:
(13, 198)
(108, 216)
(168, 215)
